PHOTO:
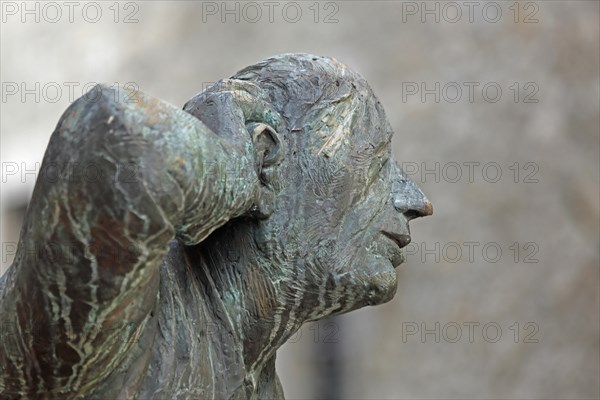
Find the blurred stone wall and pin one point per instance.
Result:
(510, 259)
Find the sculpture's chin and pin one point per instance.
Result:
(378, 281)
(382, 287)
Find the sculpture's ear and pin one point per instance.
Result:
(267, 144)
(269, 151)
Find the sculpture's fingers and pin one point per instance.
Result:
(252, 100)
(230, 85)
(209, 105)
(258, 110)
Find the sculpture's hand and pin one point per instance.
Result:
(231, 108)
(230, 104)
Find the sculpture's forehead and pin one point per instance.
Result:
(357, 124)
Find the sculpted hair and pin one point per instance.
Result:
(319, 95)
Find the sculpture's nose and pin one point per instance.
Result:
(407, 197)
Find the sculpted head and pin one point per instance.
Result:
(335, 209)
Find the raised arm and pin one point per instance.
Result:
(123, 174)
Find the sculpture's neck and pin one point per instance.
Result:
(252, 294)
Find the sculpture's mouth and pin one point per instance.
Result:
(394, 244)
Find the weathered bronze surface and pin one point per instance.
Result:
(168, 254)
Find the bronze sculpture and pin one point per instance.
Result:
(207, 236)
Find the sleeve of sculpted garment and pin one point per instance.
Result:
(124, 173)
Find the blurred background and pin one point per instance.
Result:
(496, 111)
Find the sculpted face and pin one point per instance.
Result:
(342, 203)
